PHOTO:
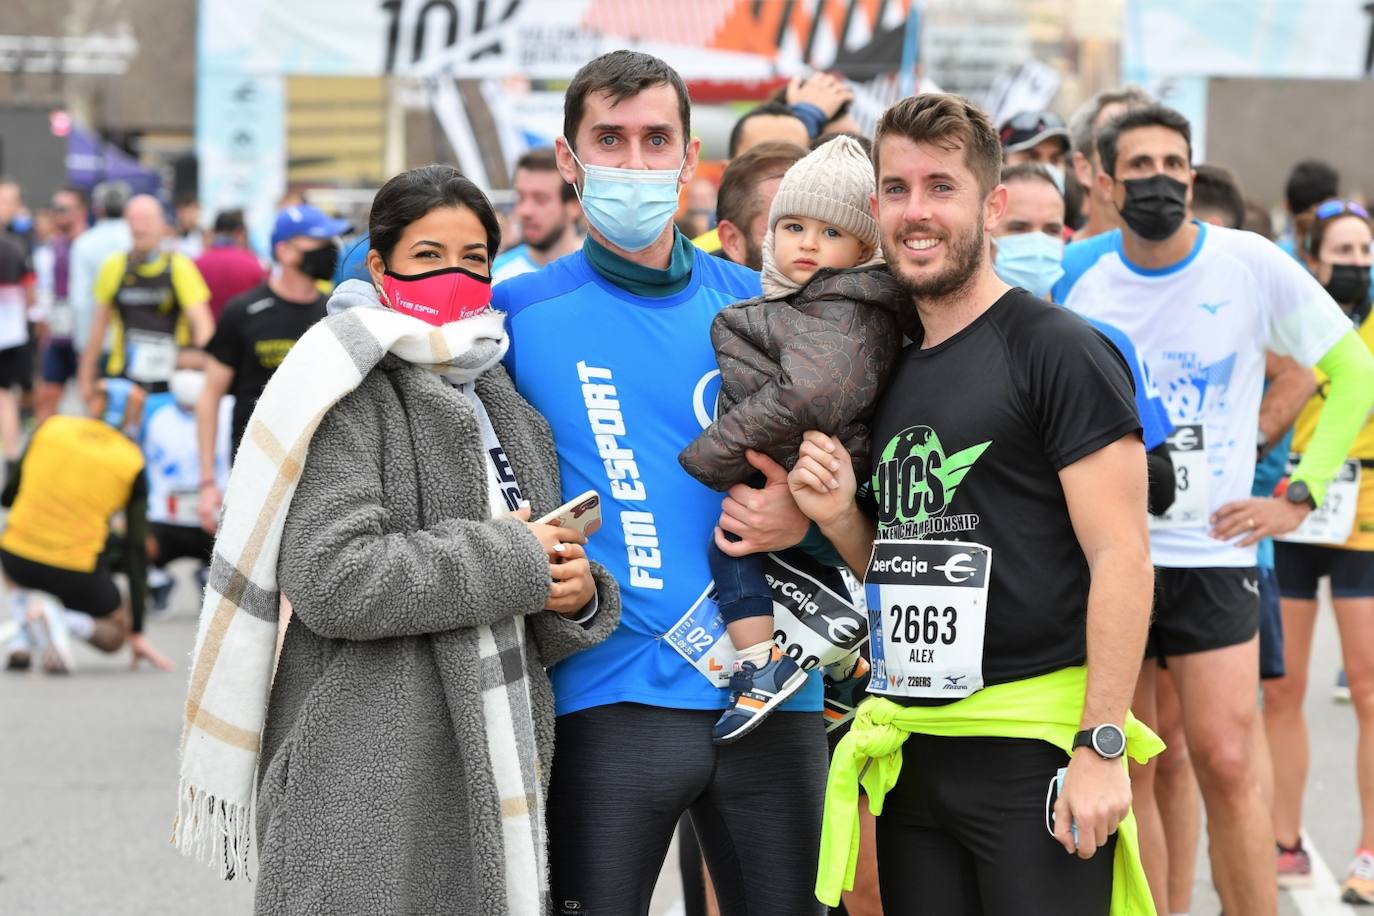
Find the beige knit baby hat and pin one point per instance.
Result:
(834, 183)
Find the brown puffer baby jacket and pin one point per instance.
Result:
(816, 360)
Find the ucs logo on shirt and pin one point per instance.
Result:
(915, 479)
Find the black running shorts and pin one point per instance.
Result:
(1197, 610)
(93, 593)
(1299, 566)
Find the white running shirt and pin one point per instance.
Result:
(172, 462)
(1202, 326)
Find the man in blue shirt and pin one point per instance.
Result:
(547, 211)
(612, 345)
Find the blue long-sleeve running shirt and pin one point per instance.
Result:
(626, 382)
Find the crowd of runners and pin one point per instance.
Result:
(965, 492)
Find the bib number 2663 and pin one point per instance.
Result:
(927, 605)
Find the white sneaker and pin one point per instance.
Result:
(45, 616)
(1341, 692)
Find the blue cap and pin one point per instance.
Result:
(306, 220)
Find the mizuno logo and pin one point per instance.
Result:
(1251, 586)
(958, 568)
(954, 683)
(1212, 308)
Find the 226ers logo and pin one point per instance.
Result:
(915, 479)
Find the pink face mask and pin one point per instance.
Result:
(438, 297)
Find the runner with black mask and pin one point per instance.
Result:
(257, 329)
(1202, 304)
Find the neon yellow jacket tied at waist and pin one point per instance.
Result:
(1047, 708)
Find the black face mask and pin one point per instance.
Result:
(1155, 206)
(319, 264)
(1349, 285)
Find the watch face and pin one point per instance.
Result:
(1298, 492)
(1109, 741)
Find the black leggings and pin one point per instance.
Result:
(963, 834)
(624, 774)
(175, 542)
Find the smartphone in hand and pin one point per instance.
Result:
(581, 513)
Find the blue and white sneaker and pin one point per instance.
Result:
(754, 693)
(159, 591)
(842, 697)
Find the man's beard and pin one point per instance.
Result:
(965, 257)
(549, 239)
(753, 254)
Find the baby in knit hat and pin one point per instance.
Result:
(813, 352)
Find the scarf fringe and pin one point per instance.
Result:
(213, 831)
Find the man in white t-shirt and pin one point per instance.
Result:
(173, 470)
(1201, 304)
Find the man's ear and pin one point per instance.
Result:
(1083, 169)
(995, 208)
(1105, 184)
(689, 162)
(567, 166)
(732, 242)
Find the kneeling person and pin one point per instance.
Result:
(76, 474)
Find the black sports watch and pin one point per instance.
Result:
(1298, 492)
(1107, 740)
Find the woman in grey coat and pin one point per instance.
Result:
(410, 695)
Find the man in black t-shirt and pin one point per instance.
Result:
(258, 328)
(1002, 537)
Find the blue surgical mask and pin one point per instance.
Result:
(629, 207)
(1032, 260)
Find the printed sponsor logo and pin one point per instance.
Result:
(706, 410)
(958, 568)
(1184, 439)
(916, 481)
(417, 306)
(607, 421)
(842, 630)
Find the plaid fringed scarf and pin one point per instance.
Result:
(231, 673)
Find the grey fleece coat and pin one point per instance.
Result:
(375, 793)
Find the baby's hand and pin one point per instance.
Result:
(822, 482)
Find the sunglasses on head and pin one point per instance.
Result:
(1337, 207)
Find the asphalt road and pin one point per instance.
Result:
(88, 780)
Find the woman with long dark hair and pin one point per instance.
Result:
(385, 485)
